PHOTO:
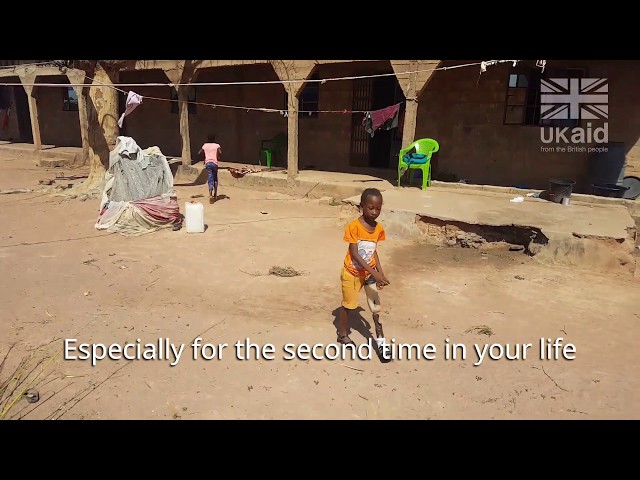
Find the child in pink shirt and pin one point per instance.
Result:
(212, 154)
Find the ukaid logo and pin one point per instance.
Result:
(567, 101)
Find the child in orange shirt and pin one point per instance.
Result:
(361, 265)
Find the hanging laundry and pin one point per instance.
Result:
(385, 119)
(133, 100)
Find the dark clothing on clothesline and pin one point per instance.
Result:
(383, 119)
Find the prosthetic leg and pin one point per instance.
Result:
(373, 301)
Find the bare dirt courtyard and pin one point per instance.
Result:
(62, 279)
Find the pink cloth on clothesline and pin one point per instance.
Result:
(378, 117)
(385, 118)
(133, 100)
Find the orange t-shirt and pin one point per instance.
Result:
(367, 241)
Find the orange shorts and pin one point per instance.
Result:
(351, 286)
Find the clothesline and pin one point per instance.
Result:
(259, 109)
(373, 119)
(482, 64)
(134, 99)
(284, 112)
(260, 82)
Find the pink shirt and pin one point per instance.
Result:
(211, 152)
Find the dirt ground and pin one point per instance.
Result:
(63, 279)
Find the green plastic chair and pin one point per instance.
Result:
(272, 147)
(425, 146)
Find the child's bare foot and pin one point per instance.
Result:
(212, 200)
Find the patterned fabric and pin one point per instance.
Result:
(212, 175)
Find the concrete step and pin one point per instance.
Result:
(55, 162)
(60, 158)
(68, 155)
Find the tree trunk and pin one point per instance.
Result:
(183, 110)
(102, 115)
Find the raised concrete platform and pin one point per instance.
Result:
(593, 231)
(495, 209)
(597, 236)
(50, 155)
(633, 205)
(54, 156)
(309, 183)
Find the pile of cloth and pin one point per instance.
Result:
(138, 196)
(241, 172)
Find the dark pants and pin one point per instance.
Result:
(212, 175)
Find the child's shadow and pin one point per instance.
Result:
(355, 321)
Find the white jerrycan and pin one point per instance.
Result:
(194, 217)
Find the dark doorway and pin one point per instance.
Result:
(5, 108)
(25, 134)
(385, 94)
(360, 139)
(380, 150)
(5, 101)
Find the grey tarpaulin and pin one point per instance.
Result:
(138, 196)
(136, 174)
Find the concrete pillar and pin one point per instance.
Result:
(27, 80)
(293, 70)
(292, 130)
(77, 77)
(182, 72)
(412, 86)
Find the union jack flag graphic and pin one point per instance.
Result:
(574, 98)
